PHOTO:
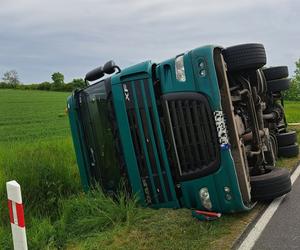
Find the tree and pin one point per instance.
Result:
(58, 78)
(58, 81)
(293, 93)
(11, 78)
(44, 86)
(78, 83)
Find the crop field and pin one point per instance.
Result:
(30, 115)
(36, 150)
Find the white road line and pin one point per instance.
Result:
(295, 174)
(254, 234)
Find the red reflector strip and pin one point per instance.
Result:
(11, 217)
(208, 213)
(20, 215)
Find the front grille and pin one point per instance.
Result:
(192, 132)
(144, 127)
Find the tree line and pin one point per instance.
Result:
(10, 80)
(293, 93)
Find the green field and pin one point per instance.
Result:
(292, 111)
(36, 150)
(30, 115)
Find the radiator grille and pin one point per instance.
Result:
(192, 133)
(147, 145)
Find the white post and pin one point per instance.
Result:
(16, 214)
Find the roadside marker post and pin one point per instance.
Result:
(16, 215)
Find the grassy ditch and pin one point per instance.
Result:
(36, 150)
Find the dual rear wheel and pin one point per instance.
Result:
(277, 81)
(277, 78)
(287, 144)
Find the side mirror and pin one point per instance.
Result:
(109, 67)
(94, 74)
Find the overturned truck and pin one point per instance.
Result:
(201, 130)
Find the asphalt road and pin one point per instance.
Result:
(283, 230)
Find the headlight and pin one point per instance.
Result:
(202, 68)
(179, 69)
(205, 199)
(227, 193)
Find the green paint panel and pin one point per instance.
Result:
(207, 84)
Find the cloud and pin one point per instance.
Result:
(41, 37)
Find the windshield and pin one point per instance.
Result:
(95, 116)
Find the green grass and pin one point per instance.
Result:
(170, 229)
(36, 150)
(292, 111)
(31, 115)
(46, 170)
(36, 147)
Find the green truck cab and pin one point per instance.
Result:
(176, 133)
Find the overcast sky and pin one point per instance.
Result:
(73, 36)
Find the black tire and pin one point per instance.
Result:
(275, 73)
(250, 56)
(271, 185)
(262, 83)
(288, 151)
(278, 85)
(285, 139)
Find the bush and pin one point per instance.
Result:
(44, 86)
(293, 93)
